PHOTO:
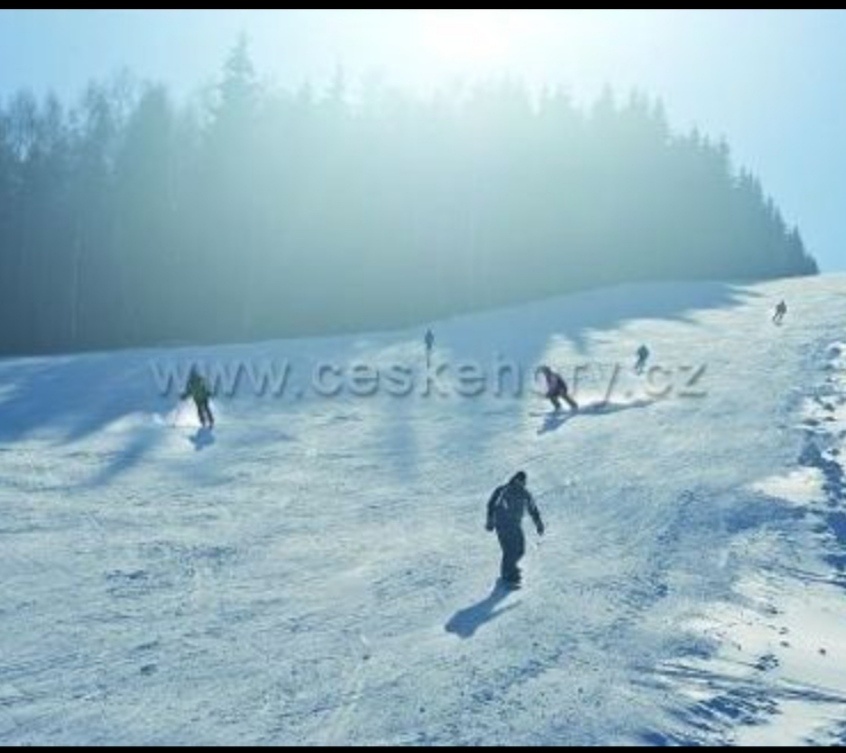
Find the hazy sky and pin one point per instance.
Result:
(772, 82)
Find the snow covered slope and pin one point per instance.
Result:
(317, 572)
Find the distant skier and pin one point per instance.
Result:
(430, 343)
(199, 390)
(505, 516)
(780, 311)
(556, 388)
(642, 354)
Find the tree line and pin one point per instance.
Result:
(251, 211)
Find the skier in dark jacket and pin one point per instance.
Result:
(642, 355)
(556, 387)
(430, 343)
(199, 390)
(780, 311)
(505, 515)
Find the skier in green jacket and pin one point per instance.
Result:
(199, 390)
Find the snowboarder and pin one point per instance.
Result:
(430, 343)
(642, 355)
(556, 387)
(505, 515)
(780, 311)
(199, 390)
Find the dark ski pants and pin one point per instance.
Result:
(563, 393)
(513, 544)
(204, 412)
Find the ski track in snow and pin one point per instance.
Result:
(317, 572)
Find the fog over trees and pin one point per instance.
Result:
(253, 212)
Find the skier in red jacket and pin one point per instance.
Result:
(556, 388)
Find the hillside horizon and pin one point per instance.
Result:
(130, 219)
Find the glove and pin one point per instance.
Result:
(489, 526)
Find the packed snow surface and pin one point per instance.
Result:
(315, 570)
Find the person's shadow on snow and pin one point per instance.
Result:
(466, 621)
(202, 438)
(554, 420)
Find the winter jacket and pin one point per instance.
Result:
(554, 384)
(197, 388)
(507, 505)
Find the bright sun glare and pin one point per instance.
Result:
(467, 40)
(479, 42)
